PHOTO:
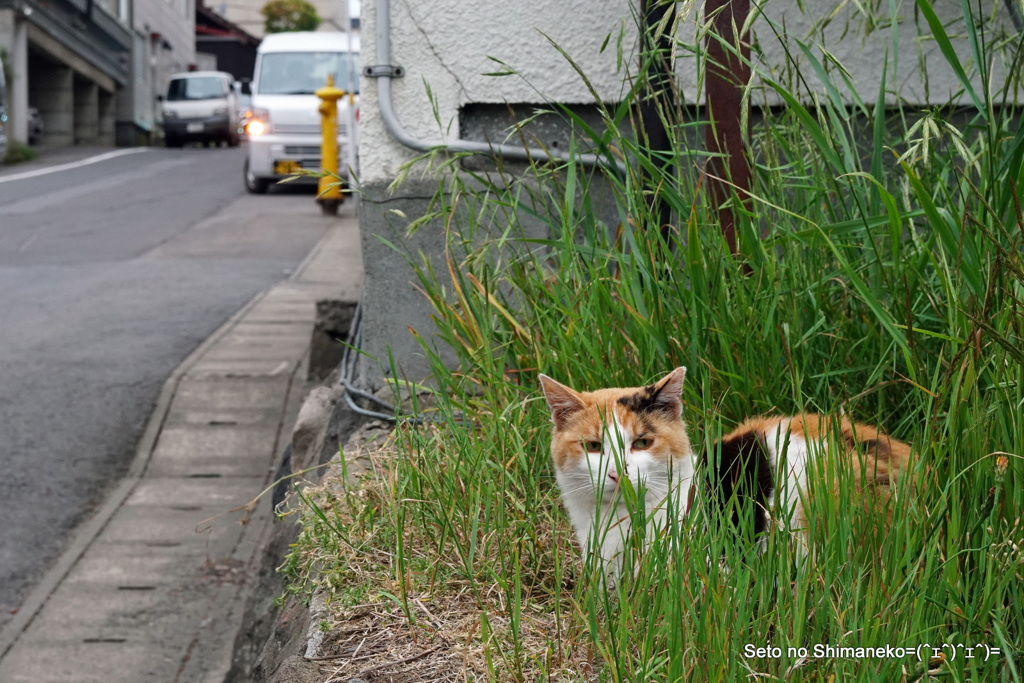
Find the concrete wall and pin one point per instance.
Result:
(75, 109)
(136, 103)
(51, 90)
(87, 112)
(448, 46)
(107, 113)
(14, 38)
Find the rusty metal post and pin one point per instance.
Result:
(726, 74)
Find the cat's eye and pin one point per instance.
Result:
(592, 446)
(642, 444)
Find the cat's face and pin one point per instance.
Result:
(602, 437)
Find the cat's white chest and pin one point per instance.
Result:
(603, 524)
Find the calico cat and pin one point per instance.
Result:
(755, 476)
(603, 436)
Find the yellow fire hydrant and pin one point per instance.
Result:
(329, 195)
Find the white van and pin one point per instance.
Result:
(3, 114)
(283, 125)
(201, 106)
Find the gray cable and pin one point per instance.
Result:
(349, 362)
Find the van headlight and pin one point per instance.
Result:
(257, 122)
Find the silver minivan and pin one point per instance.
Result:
(201, 106)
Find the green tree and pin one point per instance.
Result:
(289, 15)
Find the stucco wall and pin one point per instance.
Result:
(446, 45)
(916, 74)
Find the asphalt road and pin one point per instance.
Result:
(111, 273)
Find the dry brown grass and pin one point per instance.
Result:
(427, 623)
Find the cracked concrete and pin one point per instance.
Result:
(463, 91)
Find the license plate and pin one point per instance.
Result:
(194, 128)
(287, 167)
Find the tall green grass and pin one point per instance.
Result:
(880, 275)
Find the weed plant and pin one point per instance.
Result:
(18, 152)
(880, 275)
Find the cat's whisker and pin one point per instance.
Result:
(578, 489)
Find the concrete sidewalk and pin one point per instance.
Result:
(153, 586)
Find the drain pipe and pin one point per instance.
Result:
(384, 72)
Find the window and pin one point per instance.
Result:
(303, 73)
(116, 8)
(198, 88)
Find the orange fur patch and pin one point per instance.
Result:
(874, 458)
(601, 408)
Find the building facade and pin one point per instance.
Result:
(93, 68)
(231, 48)
(70, 59)
(163, 34)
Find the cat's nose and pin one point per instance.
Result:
(614, 476)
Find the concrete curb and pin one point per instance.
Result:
(276, 642)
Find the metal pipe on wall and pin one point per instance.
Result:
(384, 72)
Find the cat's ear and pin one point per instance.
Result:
(563, 401)
(668, 393)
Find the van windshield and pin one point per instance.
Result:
(303, 73)
(198, 88)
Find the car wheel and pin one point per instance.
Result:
(254, 184)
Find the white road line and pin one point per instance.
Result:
(74, 164)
